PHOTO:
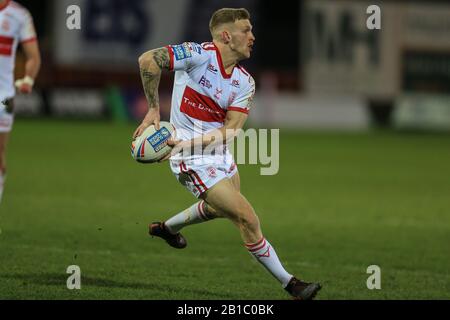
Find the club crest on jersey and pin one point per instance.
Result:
(236, 84)
(182, 51)
(218, 94)
(212, 69)
(205, 82)
(212, 172)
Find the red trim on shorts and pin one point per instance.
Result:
(241, 110)
(183, 171)
(197, 184)
(169, 48)
(199, 180)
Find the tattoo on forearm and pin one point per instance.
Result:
(150, 82)
(161, 57)
(150, 78)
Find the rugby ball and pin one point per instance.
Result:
(151, 146)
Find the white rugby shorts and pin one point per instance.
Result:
(200, 175)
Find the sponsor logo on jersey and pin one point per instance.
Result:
(201, 107)
(205, 82)
(6, 45)
(212, 69)
(181, 52)
(236, 84)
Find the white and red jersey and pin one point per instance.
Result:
(16, 26)
(203, 92)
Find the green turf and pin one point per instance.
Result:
(341, 202)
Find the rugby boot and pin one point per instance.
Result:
(302, 290)
(158, 229)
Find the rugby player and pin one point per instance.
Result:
(16, 26)
(212, 94)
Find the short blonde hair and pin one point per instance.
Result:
(227, 15)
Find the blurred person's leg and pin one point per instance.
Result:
(3, 141)
(6, 122)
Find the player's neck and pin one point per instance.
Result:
(229, 59)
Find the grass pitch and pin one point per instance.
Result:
(340, 203)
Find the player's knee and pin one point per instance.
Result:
(251, 222)
(212, 211)
(248, 219)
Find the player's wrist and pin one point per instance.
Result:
(28, 80)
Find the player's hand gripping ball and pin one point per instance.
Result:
(151, 146)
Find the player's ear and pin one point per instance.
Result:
(226, 37)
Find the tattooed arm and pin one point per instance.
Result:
(151, 65)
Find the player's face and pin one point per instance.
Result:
(242, 39)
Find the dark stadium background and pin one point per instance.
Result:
(364, 156)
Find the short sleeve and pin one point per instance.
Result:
(27, 30)
(186, 56)
(244, 99)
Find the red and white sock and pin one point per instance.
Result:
(266, 255)
(193, 215)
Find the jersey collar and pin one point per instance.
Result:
(222, 68)
(3, 6)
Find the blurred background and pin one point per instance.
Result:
(315, 62)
